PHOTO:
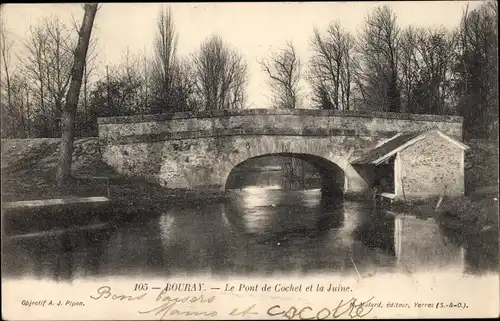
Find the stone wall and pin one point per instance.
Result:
(207, 162)
(194, 151)
(429, 165)
(301, 122)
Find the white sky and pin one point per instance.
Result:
(255, 29)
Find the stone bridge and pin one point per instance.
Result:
(199, 150)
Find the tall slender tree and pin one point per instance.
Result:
(377, 72)
(164, 62)
(68, 114)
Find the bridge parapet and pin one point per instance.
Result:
(299, 122)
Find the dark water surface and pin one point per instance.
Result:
(261, 231)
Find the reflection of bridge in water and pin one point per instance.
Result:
(258, 231)
(407, 242)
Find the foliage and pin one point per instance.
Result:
(385, 67)
(171, 82)
(221, 75)
(284, 72)
(476, 70)
(377, 63)
(331, 68)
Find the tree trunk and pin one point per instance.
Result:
(28, 115)
(68, 114)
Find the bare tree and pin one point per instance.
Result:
(436, 47)
(6, 57)
(330, 71)
(409, 64)
(377, 72)
(185, 89)
(221, 75)
(165, 62)
(68, 115)
(284, 71)
(47, 65)
(476, 71)
(58, 61)
(426, 61)
(91, 64)
(34, 68)
(15, 93)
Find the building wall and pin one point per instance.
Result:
(427, 166)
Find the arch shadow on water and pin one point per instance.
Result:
(332, 177)
(270, 216)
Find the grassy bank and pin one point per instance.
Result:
(468, 216)
(29, 168)
(133, 194)
(472, 215)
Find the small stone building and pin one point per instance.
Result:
(415, 166)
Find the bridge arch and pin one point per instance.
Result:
(321, 156)
(331, 175)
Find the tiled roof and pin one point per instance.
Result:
(380, 153)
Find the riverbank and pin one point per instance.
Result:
(467, 217)
(131, 194)
(29, 168)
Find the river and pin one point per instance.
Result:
(260, 231)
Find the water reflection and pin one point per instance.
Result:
(61, 254)
(419, 242)
(282, 214)
(260, 231)
(480, 250)
(415, 243)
